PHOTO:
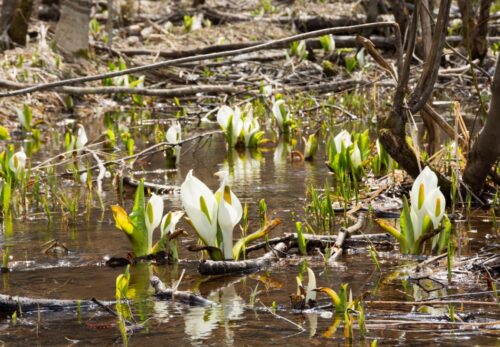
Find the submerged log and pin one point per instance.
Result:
(210, 267)
(21, 304)
(10, 304)
(164, 293)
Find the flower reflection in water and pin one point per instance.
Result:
(201, 321)
(244, 168)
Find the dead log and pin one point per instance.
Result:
(341, 41)
(210, 267)
(164, 293)
(10, 304)
(20, 304)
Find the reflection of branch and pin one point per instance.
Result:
(431, 302)
(164, 293)
(12, 304)
(281, 317)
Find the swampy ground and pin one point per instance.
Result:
(56, 241)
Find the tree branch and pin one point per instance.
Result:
(267, 45)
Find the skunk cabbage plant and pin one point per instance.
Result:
(140, 224)
(426, 213)
(214, 216)
(283, 116)
(173, 135)
(231, 123)
(17, 163)
(346, 153)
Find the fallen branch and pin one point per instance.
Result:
(324, 87)
(169, 92)
(337, 248)
(10, 304)
(156, 188)
(164, 293)
(210, 267)
(432, 302)
(267, 45)
(345, 41)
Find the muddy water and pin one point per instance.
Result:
(238, 320)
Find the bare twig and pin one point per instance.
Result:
(267, 45)
(343, 233)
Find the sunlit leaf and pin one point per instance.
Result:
(4, 133)
(121, 219)
(262, 232)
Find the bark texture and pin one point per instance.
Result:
(14, 21)
(72, 32)
(486, 149)
(400, 12)
(210, 267)
(10, 304)
(475, 26)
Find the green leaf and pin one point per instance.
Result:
(149, 210)
(139, 235)
(407, 227)
(391, 230)
(262, 232)
(122, 282)
(6, 196)
(204, 208)
(300, 239)
(336, 300)
(4, 133)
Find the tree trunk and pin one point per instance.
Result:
(72, 31)
(14, 21)
(400, 12)
(8, 8)
(475, 27)
(486, 149)
(427, 26)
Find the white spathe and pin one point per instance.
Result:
(417, 224)
(311, 285)
(230, 118)
(426, 199)
(81, 137)
(17, 162)
(169, 222)
(356, 157)
(229, 213)
(154, 212)
(435, 205)
(201, 207)
(280, 113)
(250, 127)
(173, 135)
(342, 139)
(424, 184)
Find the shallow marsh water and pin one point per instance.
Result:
(236, 321)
